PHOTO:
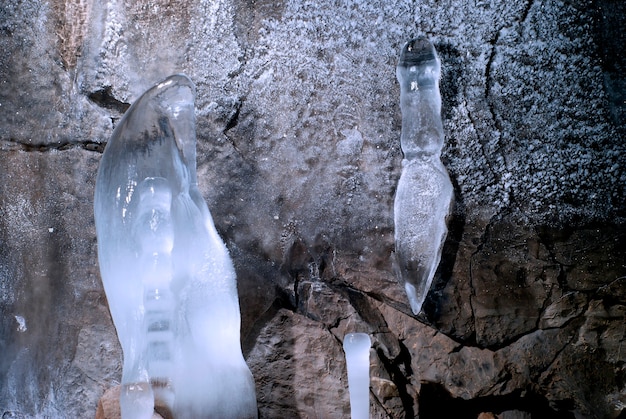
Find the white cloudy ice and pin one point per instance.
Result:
(169, 280)
(357, 349)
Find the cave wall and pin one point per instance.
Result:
(298, 125)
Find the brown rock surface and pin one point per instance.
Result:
(109, 405)
(298, 157)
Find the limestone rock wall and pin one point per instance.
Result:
(298, 156)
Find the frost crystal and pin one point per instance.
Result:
(21, 324)
(424, 191)
(169, 280)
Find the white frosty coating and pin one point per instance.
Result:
(169, 280)
(357, 349)
(424, 191)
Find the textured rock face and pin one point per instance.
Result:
(298, 157)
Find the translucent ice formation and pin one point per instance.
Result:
(357, 349)
(424, 191)
(169, 280)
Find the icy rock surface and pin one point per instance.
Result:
(169, 280)
(424, 191)
(305, 91)
(357, 349)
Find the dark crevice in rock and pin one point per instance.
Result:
(231, 123)
(544, 305)
(526, 12)
(287, 300)
(492, 55)
(234, 119)
(403, 308)
(337, 322)
(455, 349)
(283, 301)
(16, 145)
(565, 345)
(380, 406)
(364, 307)
(608, 292)
(237, 150)
(296, 266)
(562, 277)
(436, 402)
(105, 99)
(398, 306)
(399, 370)
(503, 379)
(510, 340)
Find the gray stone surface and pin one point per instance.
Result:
(298, 157)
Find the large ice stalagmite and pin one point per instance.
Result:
(169, 280)
(424, 192)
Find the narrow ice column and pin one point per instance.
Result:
(424, 192)
(169, 280)
(153, 232)
(357, 349)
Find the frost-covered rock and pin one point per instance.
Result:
(298, 126)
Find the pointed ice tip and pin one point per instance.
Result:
(416, 301)
(417, 52)
(175, 93)
(179, 80)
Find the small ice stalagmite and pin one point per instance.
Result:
(169, 280)
(424, 192)
(357, 349)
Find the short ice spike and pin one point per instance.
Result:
(357, 349)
